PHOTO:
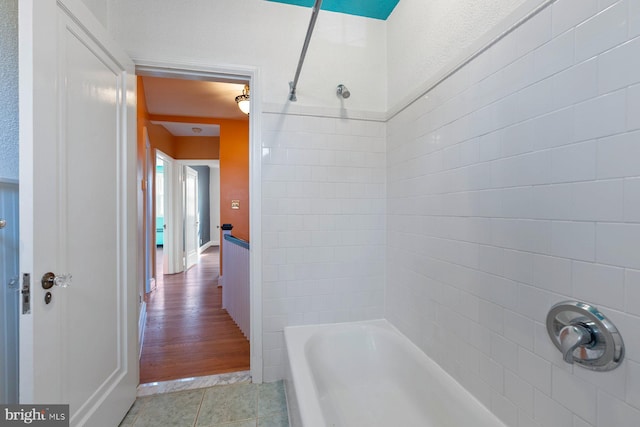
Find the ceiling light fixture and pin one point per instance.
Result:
(196, 130)
(243, 100)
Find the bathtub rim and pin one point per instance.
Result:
(308, 410)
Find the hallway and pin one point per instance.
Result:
(188, 333)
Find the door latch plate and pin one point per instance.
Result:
(26, 293)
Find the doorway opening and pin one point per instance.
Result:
(184, 307)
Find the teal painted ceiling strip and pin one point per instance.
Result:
(377, 9)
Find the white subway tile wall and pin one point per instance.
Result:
(323, 222)
(511, 186)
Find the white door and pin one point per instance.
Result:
(172, 261)
(191, 221)
(77, 213)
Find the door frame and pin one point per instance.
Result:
(212, 164)
(176, 68)
(187, 233)
(173, 252)
(149, 229)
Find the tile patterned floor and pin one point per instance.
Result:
(235, 405)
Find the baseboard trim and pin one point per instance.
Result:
(142, 321)
(206, 246)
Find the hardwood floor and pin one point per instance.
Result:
(188, 333)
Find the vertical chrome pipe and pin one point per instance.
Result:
(307, 39)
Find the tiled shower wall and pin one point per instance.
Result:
(323, 223)
(515, 184)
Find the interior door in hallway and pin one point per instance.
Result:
(191, 217)
(78, 344)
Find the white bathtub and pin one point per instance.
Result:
(369, 374)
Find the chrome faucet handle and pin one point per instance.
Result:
(576, 325)
(572, 337)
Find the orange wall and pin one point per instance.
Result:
(234, 176)
(142, 122)
(196, 147)
(159, 136)
(161, 139)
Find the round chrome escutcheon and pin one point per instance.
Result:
(605, 349)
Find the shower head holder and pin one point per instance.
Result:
(342, 91)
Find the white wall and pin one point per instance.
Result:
(513, 185)
(344, 49)
(9, 89)
(99, 9)
(426, 36)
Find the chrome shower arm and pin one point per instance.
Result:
(307, 39)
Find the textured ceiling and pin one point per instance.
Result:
(189, 129)
(378, 9)
(192, 98)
